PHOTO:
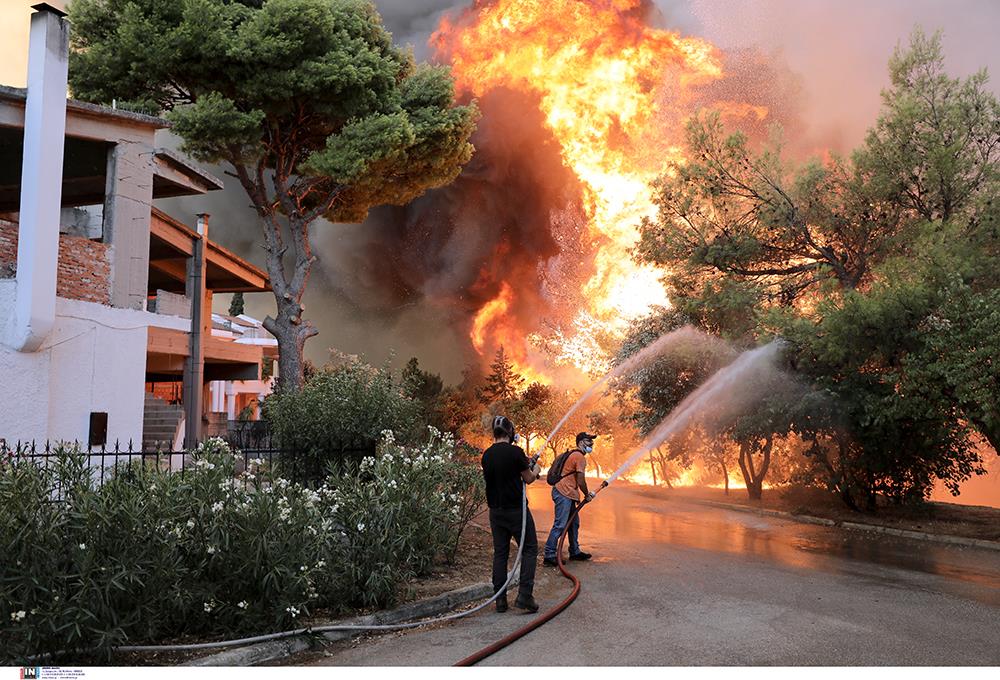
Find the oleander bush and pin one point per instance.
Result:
(219, 550)
(339, 405)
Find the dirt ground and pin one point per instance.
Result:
(969, 521)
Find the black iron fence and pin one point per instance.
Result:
(107, 461)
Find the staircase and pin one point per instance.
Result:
(159, 424)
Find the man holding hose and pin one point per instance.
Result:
(570, 479)
(505, 468)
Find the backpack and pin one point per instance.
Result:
(554, 475)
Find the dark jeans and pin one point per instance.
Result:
(563, 508)
(505, 525)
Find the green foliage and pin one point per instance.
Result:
(879, 271)
(341, 406)
(308, 87)
(236, 304)
(426, 389)
(901, 426)
(218, 550)
(401, 509)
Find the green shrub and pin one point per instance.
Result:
(401, 508)
(152, 554)
(339, 406)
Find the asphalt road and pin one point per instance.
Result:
(679, 584)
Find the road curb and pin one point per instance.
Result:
(856, 526)
(279, 649)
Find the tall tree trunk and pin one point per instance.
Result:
(652, 470)
(291, 333)
(288, 327)
(753, 478)
(725, 475)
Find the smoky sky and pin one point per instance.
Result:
(407, 280)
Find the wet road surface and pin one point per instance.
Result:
(674, 583)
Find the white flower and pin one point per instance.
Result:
(361, 526)
(284, 514)
(321, 564)
(293, 611)
(302, 568)
(190, 524)
(242, 605)
(210, 550)
(152, 487)
(217, 506)
(209, 606)
(83, 546)
(18, 615)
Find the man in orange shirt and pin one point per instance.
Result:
(566, 496)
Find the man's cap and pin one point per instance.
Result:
(580, 436)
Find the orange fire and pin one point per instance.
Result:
(613, 93)
(493, 323)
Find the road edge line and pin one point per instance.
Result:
(856, 526)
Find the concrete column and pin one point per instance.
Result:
(127, 205)
(41, 180)
(194, 365)
(230, 400)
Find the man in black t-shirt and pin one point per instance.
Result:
(506, 469)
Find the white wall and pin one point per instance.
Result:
(94, 360)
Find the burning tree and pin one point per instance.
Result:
(309, 103)
(880, 271)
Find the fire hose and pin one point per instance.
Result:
(485, 652)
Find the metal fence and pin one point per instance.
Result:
(107, 462)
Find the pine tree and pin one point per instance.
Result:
(308, 102)
(236, 304)
(503, 384)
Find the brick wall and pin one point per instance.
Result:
(84, 269)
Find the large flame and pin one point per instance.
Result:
(492, 322)
(607, 84)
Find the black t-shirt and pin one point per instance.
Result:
(502, 467)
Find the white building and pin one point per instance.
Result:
(102, 297)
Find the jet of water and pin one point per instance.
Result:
(731, 386)
(685, 334)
